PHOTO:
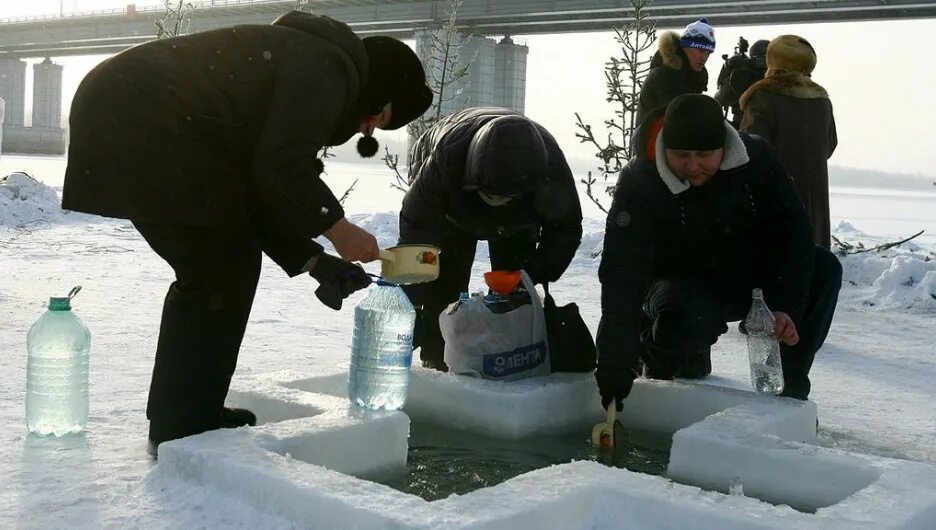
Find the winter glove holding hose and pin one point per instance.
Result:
(614, 386)
(337, 279)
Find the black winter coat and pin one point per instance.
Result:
(670, 76)
(746, 228)
(438, 196)
(220, 128)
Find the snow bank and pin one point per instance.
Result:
(909, 283)
(24, 201)
(902, 278)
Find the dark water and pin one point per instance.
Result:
(444, 461)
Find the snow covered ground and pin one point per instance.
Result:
(873, 381)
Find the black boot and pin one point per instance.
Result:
(238, 417)
(230, 418)
(435, 365)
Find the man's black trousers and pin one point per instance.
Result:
(684, 317)
(203, 321)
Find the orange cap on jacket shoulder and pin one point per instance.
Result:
(650, 144)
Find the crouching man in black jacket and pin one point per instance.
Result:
(700, 217)
(486, 174)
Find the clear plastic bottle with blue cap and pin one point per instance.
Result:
(381, 348)
(58, 347)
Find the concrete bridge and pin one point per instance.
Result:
(498, 72)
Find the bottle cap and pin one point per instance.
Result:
(60, 303)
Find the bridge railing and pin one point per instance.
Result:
(125, 10)
(79, 14)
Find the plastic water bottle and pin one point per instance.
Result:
(58, 346)
(763, 348)
(381, 348)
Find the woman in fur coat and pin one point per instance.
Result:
(794, 114)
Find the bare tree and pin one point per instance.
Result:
(624, 76)
(347, 192)
(845, 248)
(176, 20)
(392, 160)
(446, 73)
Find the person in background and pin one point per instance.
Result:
(486, 174)
(208, 143)
(738, 73)
(678, 67)
(794, 114)
(700, 217)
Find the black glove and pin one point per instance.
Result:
(614, 385)
(337, 279)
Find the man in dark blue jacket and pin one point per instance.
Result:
(486, 174)
(702, 216)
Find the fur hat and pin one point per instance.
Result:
(700, 35)
(694, 122)
(790, 53)
(395, 75)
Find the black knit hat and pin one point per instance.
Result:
(694, 122)
(395, 75)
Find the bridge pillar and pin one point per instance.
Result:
(455, 94)
(510, 62)
(47, 95)
(479, 87)
(13, 89)
(496, 76)
(46, 134)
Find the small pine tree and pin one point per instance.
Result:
(624, 78)
(446, 74)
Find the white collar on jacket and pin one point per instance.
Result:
(735, 156)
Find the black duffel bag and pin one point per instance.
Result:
(571, 346)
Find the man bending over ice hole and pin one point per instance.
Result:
(486, 174)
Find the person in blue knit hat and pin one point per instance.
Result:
(678, 67)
